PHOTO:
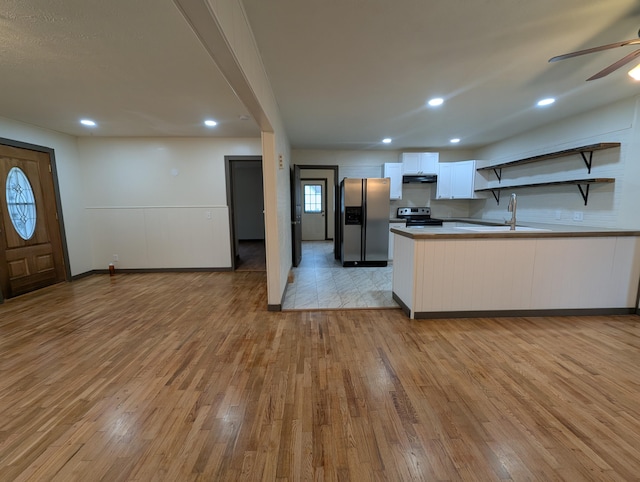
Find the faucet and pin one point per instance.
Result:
(512, 209)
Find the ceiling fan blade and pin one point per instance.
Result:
(616, 65)
(595, 49)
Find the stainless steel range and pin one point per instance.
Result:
(416, 217)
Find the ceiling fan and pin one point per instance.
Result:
(615, 66)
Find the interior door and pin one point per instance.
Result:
(314, 220)
(296, 215)
(31, 254)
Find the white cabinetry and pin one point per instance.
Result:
(414, 163)
(456, 180)
(392, 236)
(393, 170)
(531, 273)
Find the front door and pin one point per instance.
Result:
(31, 254)
(314, 227)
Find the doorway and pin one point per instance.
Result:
(245, 199)
(32, 247)
(299, 174)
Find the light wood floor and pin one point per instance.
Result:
(187, 377)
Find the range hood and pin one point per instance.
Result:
(419, 178)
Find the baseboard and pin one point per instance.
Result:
(84, 275)
(428, 315)
(162, 270)
(404, 307)
(424, 315)
(278, 307)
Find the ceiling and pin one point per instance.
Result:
(345, 73)
(135, 67)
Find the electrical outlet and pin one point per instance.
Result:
(115, 257)
(577, 216)
(208, 214)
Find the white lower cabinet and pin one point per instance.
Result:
(439, 275)
(392, 236)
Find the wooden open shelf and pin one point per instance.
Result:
(584, 191)
(583, 150)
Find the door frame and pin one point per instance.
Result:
(324, 201)
(228, 160)
(336, 202)
(295, 186)
(56, 189)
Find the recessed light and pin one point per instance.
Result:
(455, 140)
(436, 101)
(88, 123)
(210, 123)
(634, 73)
(387, 140)
(544, 102)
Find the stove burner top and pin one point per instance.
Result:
(418, 217)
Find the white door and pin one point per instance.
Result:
(313, 210)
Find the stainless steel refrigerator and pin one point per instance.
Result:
(364, 219)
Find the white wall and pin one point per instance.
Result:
(159, 202)
(609, 205)
(72, 187)
(232, 21)
(350, 163)
(371, 164)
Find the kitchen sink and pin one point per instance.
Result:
(500, 229)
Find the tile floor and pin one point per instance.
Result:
(320, 282)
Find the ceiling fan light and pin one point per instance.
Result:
(634, 73)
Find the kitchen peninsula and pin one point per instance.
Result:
(471, 270)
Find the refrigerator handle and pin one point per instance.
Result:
(363, 231)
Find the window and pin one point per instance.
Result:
(312, 198)
(21, 203)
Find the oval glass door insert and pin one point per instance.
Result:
(21, 203)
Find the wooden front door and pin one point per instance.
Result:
(31, 254)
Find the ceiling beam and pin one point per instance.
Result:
(205, 25)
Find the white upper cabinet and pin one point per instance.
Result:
(443, 185)
(456, 180)
(393, 170)
(416, 163)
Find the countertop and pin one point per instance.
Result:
(538, 230)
